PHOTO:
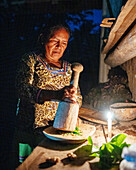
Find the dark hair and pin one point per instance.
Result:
(48, 31)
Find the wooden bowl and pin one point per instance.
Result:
(124, 111)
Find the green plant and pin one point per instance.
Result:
(110, 153)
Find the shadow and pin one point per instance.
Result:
(57, 145)
(98, 166)
(82, 154)
(46, 165)
(94, 166)
(79, 161)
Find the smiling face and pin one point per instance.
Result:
(56, 45)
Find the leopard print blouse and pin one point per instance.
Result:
(33, 75)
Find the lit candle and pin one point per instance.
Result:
(109, 125)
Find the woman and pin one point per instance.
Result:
(43, 79)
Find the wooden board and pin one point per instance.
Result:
(53, 134)
(125, 50)
(94, 116)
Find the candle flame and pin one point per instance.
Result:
(109, 115)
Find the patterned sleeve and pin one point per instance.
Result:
(24, 78)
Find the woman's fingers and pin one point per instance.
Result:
(70, 100)
(70, 94)
(70, 90)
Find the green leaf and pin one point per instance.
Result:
(106, 153)
(103, 146)
(108, 159)
(94, 154)
(89, 139)
(118, 140)
(77, 131)
(124, 144)
(77, 128)
(109, 147)
(117, 152)
(106, 149)
(84, 151)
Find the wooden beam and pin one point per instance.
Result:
(106, 22)
(125, 50)
(123, 22)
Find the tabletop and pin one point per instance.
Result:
(49, 148)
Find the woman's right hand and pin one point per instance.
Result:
(70, 94)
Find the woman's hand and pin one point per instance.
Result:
(70, 94)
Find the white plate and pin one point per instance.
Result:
(53, 134)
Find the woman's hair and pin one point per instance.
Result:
(48, 31)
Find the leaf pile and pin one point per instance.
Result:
(77, 131)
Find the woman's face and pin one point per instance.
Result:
(56, 45)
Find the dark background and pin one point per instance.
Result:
(20, 25)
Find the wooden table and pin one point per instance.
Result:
(48, 148)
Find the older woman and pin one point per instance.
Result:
(43, 79)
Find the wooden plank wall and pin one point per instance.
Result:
(130, 68)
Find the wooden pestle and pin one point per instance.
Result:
(77, 68)
(67, 113)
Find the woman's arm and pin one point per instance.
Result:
(25, 88)
(68, 93)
